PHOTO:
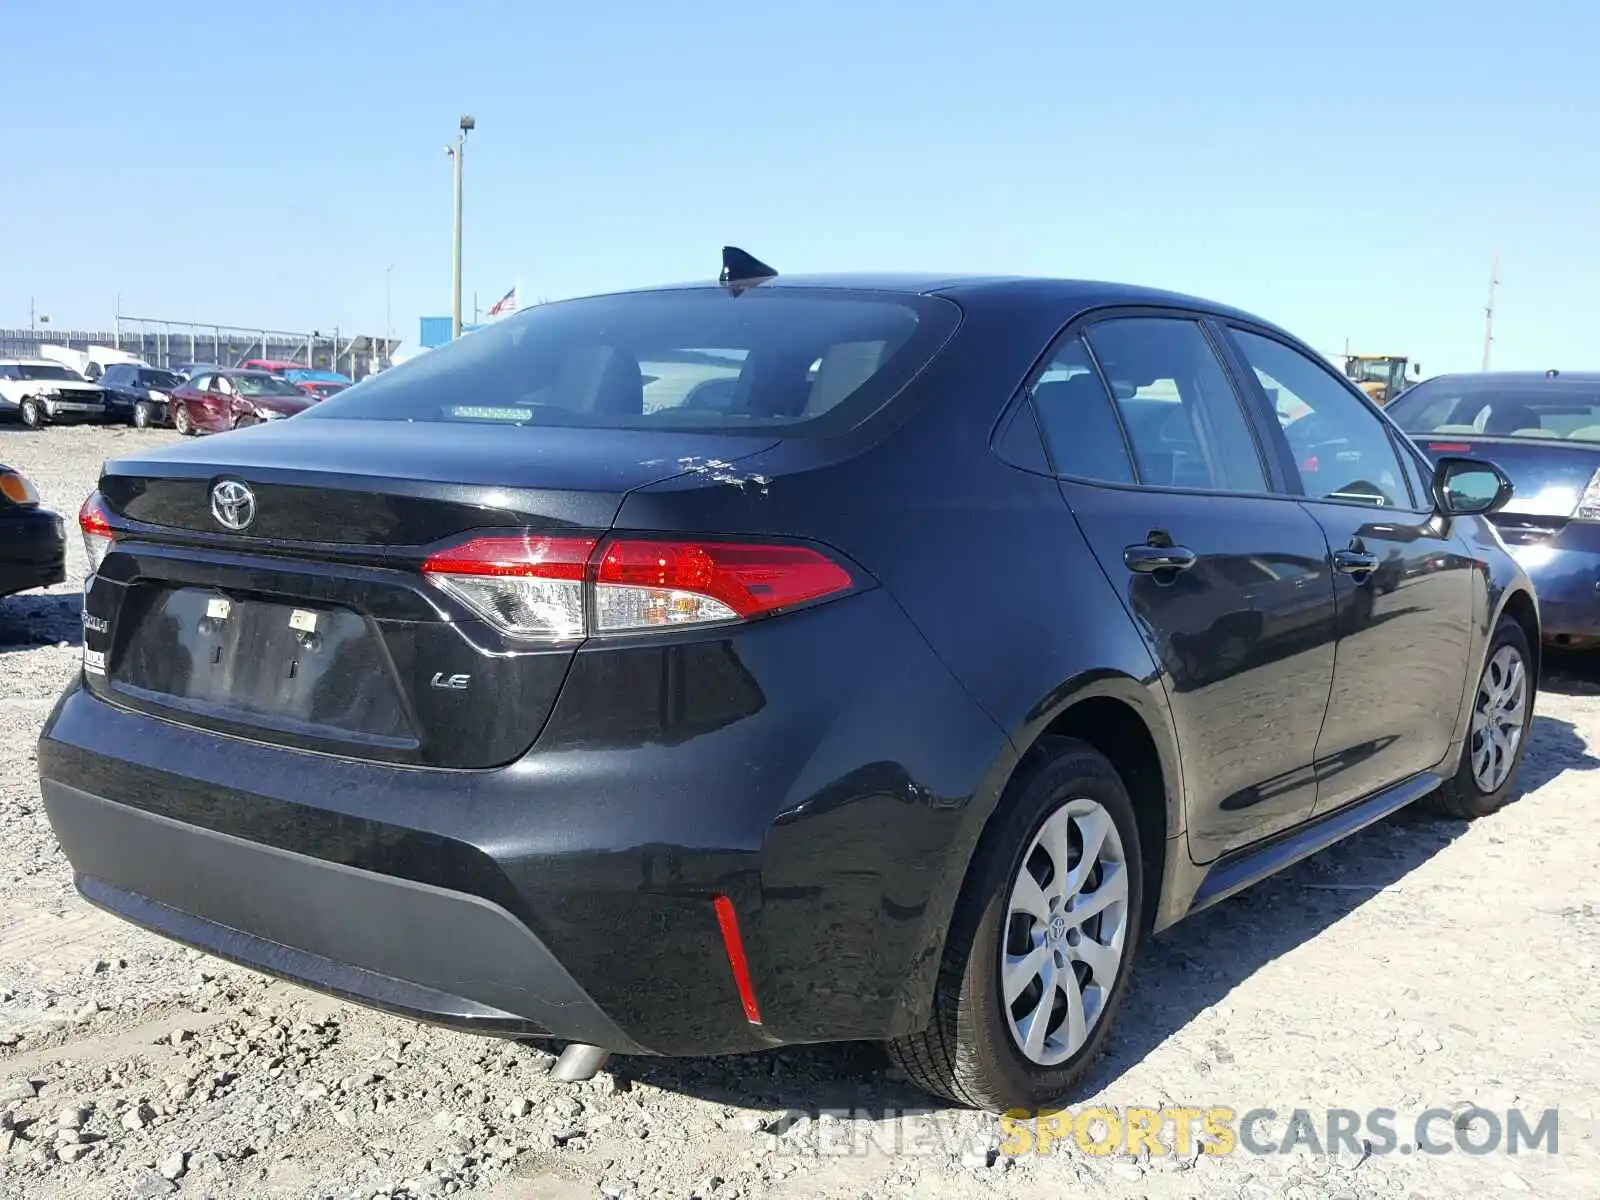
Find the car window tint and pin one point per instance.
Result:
(1182, 416)
(1340, 446)
(1075, 414)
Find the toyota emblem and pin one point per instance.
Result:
(233, 504)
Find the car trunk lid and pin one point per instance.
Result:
(312, 625)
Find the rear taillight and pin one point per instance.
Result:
(649, 585)
(553, 589)
(1589, 503)
(528, 586)
(97, 535)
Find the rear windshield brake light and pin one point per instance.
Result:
(1450, 447)
(558, 589)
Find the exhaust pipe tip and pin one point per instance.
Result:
(579, 1062)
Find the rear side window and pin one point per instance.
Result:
(1182, 416)
(791, 361)
(1080, 428)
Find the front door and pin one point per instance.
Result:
(1403, 585)
(1229, 584)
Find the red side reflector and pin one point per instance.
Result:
(530, 556)
(728, 921)
(749, 579)
(1450, 447)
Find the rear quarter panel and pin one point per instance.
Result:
(985, 561)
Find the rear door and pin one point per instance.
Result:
(1228, 582)
(1403, 582)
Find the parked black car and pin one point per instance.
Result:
(1543, 429)
(138, 395)
(708, 669)
(33, 540)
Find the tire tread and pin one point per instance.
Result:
(943, 1057)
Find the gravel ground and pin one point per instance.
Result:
(1420, 965)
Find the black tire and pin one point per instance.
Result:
(181, 421)
(967, 1053)
(140, 418)
(30, 412)
(1462, 796)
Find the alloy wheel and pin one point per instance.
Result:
(180, 419)
(1066, 930)
(1498, 718)
(141, 415)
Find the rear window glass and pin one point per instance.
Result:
(1568, 410)
(799, 361)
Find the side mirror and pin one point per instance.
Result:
(1465, 487)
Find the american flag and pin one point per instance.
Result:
(506, 303)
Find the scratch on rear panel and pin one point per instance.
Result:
(725, 472)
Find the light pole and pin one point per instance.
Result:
(458, 152)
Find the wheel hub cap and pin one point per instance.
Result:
(1066, 927)
(1499, 717)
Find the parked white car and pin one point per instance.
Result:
(38, 392)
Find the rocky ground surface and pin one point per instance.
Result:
(1420, 965)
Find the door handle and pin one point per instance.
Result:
(1148, 559)
(1354, 562)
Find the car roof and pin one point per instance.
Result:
(1067, 294)
(1590, 377)
(32, 362)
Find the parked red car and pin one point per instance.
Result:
(214, 401)
(319, 385)
(276, 366)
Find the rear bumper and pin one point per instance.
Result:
(572, 893)
(1567, 581)
(33, 550)
(398, 945)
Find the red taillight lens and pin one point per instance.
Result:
(527, 586)
(555, 589)
(649, 584)
(97, 535)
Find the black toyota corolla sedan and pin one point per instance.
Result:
(713, 668)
